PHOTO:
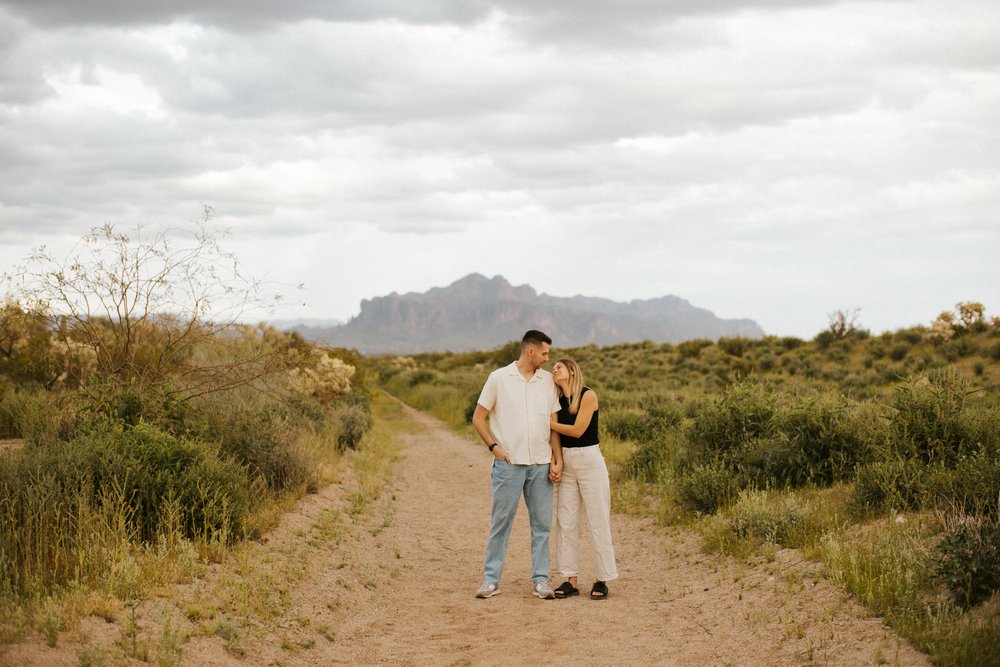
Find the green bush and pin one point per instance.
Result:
(505, 354)
(135, 482)
(624, 425)
(972, 485)
(729, 421)
(928, 421)
(967, 560)
(691, 349)
(470, 406)
(39, 417)
(770, 461)
(899, 351)
(355, 419)
(707, 487)
(897, 484)
(826, 433)
(734, 347)
(261, 441)
(791, 342)
(422, 376)
(757, 517)
(824, 339)
(152, 467)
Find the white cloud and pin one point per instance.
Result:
(768, 160)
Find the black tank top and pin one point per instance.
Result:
(589, 437)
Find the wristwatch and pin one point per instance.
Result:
(490, 447)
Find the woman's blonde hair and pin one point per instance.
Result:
(575, 384)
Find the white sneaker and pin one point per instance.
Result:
(488, 590)
(543, 590)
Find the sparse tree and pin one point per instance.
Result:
(144, 305)
(843, 323)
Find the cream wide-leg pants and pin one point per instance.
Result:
(584, 489)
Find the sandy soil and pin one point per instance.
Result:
(397, 589)
(10, 445)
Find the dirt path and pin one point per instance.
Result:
(397, 589)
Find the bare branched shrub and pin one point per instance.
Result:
(148, 307)
(843, 322)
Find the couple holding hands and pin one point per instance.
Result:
(542, 431)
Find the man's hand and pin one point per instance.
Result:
(555, 471)
(500, 454)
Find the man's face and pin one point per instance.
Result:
(538, 354)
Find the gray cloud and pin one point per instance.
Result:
(717, 140)
(243, 14)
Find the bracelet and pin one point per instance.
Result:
(490, 447)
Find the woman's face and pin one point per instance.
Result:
(560, 373)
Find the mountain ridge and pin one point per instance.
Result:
(476, 312)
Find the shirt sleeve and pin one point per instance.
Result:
(555, 407)
(488, 396)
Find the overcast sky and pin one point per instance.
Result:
(775, 160)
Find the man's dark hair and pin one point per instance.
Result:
(534, 337)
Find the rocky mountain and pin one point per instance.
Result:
(479, 313)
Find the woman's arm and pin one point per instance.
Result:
(588, 406)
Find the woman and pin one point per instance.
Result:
(584, 484)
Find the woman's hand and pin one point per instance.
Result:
(555, 471)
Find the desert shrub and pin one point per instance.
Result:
(957, 348)
(623, 425)
(148, 466)
(691, 349)
(470, 406)
(791, 342)
(769, 461)
(824, 339)
(707, 486)
(759, 517)
(898, 351)
(649, 459)
(355, 417)
(896, 484)
(928, 419)
(64, 505)
(735, 347)
(102, 400)
(967, 559)
(505, 354)
(728, 421)
(831, 441)
(36, 416)
(262, 442)
(655, 417)
(972, 485)
(321, 375)
(767, 362)
(421, 376)
(994, 351)
(910, 336)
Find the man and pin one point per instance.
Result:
(519, 400)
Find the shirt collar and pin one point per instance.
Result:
(512, 370)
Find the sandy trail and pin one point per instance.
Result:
(398, 590)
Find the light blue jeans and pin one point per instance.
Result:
(509, 482)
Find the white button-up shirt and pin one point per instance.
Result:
(520, 411)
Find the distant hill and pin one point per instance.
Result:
(478, 313)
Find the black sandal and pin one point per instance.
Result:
(566, 590)
(599, 591)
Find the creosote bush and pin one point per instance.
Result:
(967, 559)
